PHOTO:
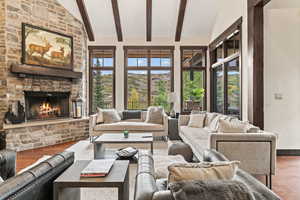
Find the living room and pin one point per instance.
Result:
(186, 97)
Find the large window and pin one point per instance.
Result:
(226, 71)
(193, 78)
(148, 76)
(102, 77)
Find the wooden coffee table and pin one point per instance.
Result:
(67, 185)
(118, 138)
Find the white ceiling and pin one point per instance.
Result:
(198, 23)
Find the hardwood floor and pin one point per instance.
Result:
(286, 183)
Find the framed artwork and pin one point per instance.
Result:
(41, 47)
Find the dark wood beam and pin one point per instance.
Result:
(86, 20)
(256, 61)
(116, 13)
(180, 20)
(149, 20)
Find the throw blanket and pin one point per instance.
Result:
(210, 190)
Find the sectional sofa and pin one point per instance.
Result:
(256, 149)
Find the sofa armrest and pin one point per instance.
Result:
(93, 121)
(7, 164)
(256, 151)
(183, 120)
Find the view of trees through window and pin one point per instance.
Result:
(193, 78)
(149, 77)
(226, 75)
(102, 77)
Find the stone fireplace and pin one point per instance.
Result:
(46, 105)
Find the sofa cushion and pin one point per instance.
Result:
(204, 171)
(196, 120)
(155, 115)
(130, 126)
(161, 164)
(232, 126)
(214, 123)
(209, 117)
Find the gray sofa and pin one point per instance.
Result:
(256, 149)
(147, 188)
(35, 183)
(132, 121)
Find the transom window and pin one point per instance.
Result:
(102, 77)
(148, 76)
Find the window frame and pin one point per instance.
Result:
(183, 69)
(214, 63)
(148, 68)
(104, 68)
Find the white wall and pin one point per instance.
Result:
(282, 74)
(157, 41)
(230, 11)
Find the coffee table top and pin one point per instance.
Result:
(119, 138)
(71, 177)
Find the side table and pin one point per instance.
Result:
(173, 129)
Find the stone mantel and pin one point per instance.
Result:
(42, 123)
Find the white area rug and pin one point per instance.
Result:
(84, 151)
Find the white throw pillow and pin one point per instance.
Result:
(161, 164)
(99, 116)
(196, 120)
(235, 126)
(155, 115)
(110, 116)
(1, 180)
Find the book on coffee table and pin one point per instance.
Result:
(97, 168)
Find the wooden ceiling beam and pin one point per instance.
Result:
(149, 20)
(116, 13)
(86, 20)
(180, 20)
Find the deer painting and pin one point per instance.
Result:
(58, 55)
(38, 49)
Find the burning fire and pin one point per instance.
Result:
(46, 110)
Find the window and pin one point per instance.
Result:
(148, 76)
(102, 77)
(193, 78)
(226, 77)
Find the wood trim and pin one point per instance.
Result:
(182, 69)
(256, 62)
(288, 152)
(44, 71)
(226, 33)
(149, 47)
(149, 20)
(86, 19)
(113, 68)
(180, 20)
(116, 13)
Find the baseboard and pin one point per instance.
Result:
(288, 152)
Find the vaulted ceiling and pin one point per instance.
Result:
(127, 19)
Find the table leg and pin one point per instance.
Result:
(152, 148)
(99, 150)
(123, 190)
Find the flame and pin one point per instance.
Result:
(47, 110)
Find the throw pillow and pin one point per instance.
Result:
(196, 120)
(203, 171)
(99, 116)
(1, 180)
(154, 115)
(161, 164)
(209, 117)
(110, 116)
(234, 126)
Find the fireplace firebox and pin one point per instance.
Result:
(46, 105)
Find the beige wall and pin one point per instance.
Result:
(282, 74)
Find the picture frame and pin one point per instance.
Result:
(45, 48)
